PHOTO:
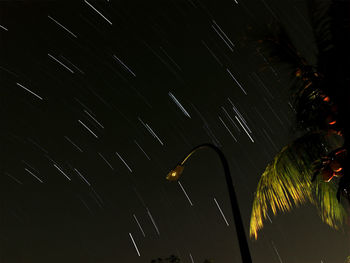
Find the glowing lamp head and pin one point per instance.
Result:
(174, 174)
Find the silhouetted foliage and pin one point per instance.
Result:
(173, 259)
(314, 167)
(170, 259)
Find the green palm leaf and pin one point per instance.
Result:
(330, 210)
(286, 183)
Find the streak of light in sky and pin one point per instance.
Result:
(212, 53)
(138, 145)
(179, 104)
(262, 84)
(244, 129)
(273, 111)
(103, 158)
(4, 28)
(61, 63)
(221, 212)
(269, 138)
(183, 189)
(207, 128)
(36, 177)
(229, 40)
(278, 255)
(83, 105)
(230, 118)
(227, 129)
(85, 204)
(261, 117)
(96, 200)
(74, 66)
(125, 66)
(178, 67)
(239, 115)
(59, 169)
(140, 198)
(98, 12)
(239, 85)
(36, 95)
(153, 222)
(76, 146)
(86, 127)
(151, 131)
(223, 39)
(269, 217)
(92, 117)
(31, 167)
(127, 166)
(162, 60)
(38, 146)
(82, 177)
(97, 195)
(133, 241)
(138, 223)
(9, 71)
(13, 178)
(70, 32)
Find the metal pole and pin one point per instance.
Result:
(242, 240)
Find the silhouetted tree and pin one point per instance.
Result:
(314, 167)
(173, 259)
(170, 259)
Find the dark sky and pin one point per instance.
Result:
(92, 120)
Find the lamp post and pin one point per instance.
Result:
(174, 175)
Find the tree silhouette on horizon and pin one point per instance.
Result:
(173, 259)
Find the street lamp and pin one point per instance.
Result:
(174, 175)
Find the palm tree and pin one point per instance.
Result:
(314, 167)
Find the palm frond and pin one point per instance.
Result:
(321, 24)
(279, 47)
(312, 106)
(286, 182)
(330, 210)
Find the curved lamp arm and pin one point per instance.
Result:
(174, 175)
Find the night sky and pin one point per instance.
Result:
(100, 99)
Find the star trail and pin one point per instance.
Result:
(100, 99)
